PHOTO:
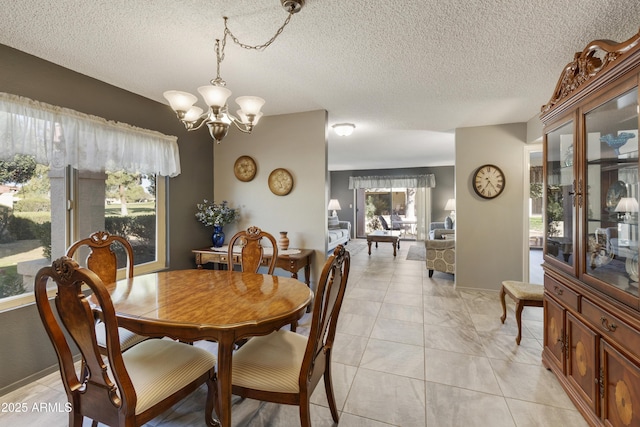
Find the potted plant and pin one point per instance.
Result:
(216, 215)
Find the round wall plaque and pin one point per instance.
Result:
(245, 168)
(280, 182)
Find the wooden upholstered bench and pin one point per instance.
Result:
(524, 294)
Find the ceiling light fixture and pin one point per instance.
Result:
(215, 95)
(344, 129)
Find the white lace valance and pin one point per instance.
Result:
(407, 181)
(59, 137)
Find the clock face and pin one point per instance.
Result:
(244, 168)
(488, 181)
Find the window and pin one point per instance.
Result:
(83, 202)
(54, 189)
(402, 202)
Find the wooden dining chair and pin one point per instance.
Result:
(252, 252)
(103, 261)
(121, 389)
(285, 367)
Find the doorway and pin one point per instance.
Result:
(387, 208)
(534, 228)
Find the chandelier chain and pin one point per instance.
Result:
(256, 47)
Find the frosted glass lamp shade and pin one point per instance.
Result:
(214, 96)
(245, 119)
(193, 114)
(250, 104)
(180, 101)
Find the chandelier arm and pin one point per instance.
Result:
(261, 46)
(194, 125)
(240, 125)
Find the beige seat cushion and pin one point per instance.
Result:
(522, 290)
(127, 338)
(160, 367)
(270, 363)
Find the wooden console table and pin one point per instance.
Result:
(292, 263)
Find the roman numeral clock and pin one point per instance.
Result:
(488, 181)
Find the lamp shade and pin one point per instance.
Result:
(214, 96)
(627, 204)
(450, 205)
(334, 205)
(193, 114)
(180, 101)
(250, 104)
(245, 119)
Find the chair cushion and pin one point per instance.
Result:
(270, 363)
(524, 291)
(160, 367)
(127, 338)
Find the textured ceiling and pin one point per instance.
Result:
(405, 73)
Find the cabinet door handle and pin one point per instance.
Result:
(608, 327)
(558, 291)
(577, 193)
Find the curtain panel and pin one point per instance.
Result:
(59, 137)
(407, 181)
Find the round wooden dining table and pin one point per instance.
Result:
(223, 306)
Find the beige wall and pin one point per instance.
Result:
(298, 143)
(490, 244)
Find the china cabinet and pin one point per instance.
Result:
(591, 301)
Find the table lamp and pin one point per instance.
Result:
(334, 205)
(625, 207)
(451, 206)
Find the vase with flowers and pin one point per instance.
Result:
(217, 215)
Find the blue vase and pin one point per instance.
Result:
(218, 236)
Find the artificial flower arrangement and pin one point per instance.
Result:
(211, 213)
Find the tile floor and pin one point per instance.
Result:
(410, 351)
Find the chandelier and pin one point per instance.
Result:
(218, 118)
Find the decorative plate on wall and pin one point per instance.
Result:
(244, 168)
(280, 182)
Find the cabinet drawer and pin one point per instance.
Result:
(612, 327)
(563, 294)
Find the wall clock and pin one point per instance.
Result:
(244, 168)
(488, 181)
(280, 182)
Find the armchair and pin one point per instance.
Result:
(441, 256)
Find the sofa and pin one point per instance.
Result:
(438, 230)
(339, 232)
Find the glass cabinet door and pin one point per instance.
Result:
(611, 205)
(560, 211)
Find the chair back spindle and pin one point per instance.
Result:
(77, 319)
(327, 303)
(252, 252)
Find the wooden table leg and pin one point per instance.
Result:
(369, 244)
(307, 273)
(225, 354)
(394, 246)
(504, 305)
